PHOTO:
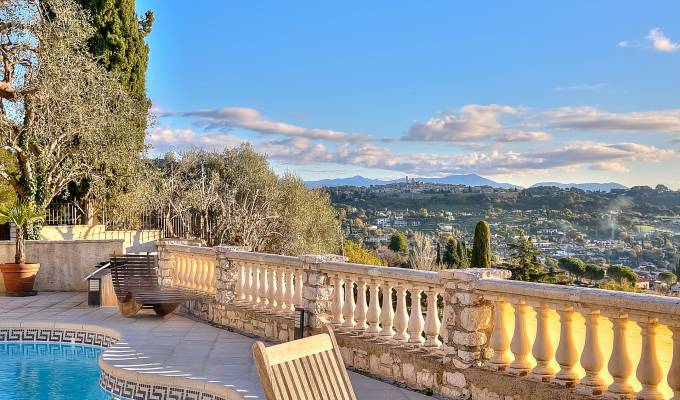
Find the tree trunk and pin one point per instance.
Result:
(19, 256)
(88, 211)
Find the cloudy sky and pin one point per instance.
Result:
(576, 91)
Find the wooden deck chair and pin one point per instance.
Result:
(304, 369)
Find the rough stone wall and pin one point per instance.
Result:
(467, 316)
(424, 371)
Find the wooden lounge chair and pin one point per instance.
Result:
(304, 369)
(135, 282)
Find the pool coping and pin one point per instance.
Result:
(121, 380)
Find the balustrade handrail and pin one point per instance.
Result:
(183, 248)
(377, 271)
(266, 258)
(588, 297)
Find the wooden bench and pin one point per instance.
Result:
(305, 369)
(135, 282)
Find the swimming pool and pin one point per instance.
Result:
(54, 371)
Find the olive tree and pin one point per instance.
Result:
(62, 116)
(237, 199)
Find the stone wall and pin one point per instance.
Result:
(63, 263)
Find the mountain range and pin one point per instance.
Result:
(463, 179)
(358, 180)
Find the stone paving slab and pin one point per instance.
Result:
(174, 346)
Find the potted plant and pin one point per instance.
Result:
(19, 276)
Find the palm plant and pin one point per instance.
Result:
(22, 214)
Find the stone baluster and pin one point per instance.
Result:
(373, 314)
(566, 354)
(202, 263)
(443, 329)
(432, 322)
(401, 317)
(297, 300)
(350, 305)
(500, 340)
(192, 273)
(184, 270)
(210, 278)
(240, 284)
(387, 312)
(256, 287)
(520, 345)
(273, 289)
(674, 370)
(416, 322)
(620, 366)
(361, 309)
(591, 357)
(337, 304)
(264, 287)
(282, 290)
(250, 283)
(290, 283)
(543, 348)
(649, 371)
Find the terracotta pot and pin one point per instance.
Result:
(19, 278)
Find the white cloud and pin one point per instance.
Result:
(163, 139)
(623, 43)
(524, 136)
(251, 119)
(473, 122)
(593, 119)
(593, 155)
(660, 42)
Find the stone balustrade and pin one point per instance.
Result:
(190, 267)
(268, 282)
(562, 342)
(633, 323)
(401, 306)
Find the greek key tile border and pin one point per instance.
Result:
(55, 335)
(144, 391)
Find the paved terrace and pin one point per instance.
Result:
(173, 346)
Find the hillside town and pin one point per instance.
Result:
(614, 228)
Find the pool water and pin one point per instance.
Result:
(54, 371)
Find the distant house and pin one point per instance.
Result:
(642, 284)
(675, 290)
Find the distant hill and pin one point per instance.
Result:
(590, 187)
(466, 179)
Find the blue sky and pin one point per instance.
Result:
(521, 92)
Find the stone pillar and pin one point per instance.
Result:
(316, 288)
(165, 268)
(467, 315)
(226, 274)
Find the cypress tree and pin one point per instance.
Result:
(119, 43)
(481, 248)
(450, 256)
(439, 253)
(462, 253)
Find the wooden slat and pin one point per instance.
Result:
(299, 348)
(305, 369)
